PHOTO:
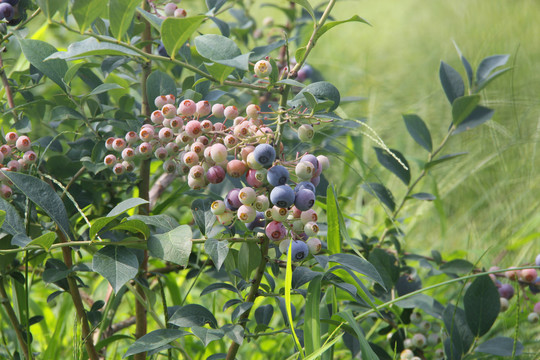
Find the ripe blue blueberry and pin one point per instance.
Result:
(11, 2)
(535, 286)
(304, 199)
(258, 222)
(282, 196)
(277, 175)
(305, 185)
(506, 291)
(299, 250)
(264, 154)
(232, 201)
(6, 11)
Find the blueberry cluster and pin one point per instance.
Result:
(426, 337)
(526, 278)
(15, 154)
(7, 9)
(189, 143)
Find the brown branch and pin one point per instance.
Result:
(114, 328)
(159, 187)
(13, 319)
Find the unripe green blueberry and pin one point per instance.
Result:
(196, 172)
(279, 214)
(239, 120)
(406, 354)
(247, 196)
(533, 318)
(110, 160)
(246, 213)
(311, 229)
(198, 148)
(218, 207)
(306, 132)
(268, 21)
(433, 339)
(190, 158)
(261, 203)
(284, 246)
(227, 218)
(419, 340)
(298, 226)
(169, 9)
(314, 245)
(324, 163)
(262, 68)
(425, 326)
(196, 184)
(309, 215)
(416, 317)
(304, 170)
(504, 304)
(408, 344)
(439, 354)
(416, 358)
(252, 163)
(230, 141)
(118, 169)
(161, 153)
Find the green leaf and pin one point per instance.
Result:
(43, 196)
(479, 116)
(218, 286)
(457, 328)
(91, 47)
(292, 83)
(466, 65)
(174, 246)
(457, 266)
(162, 222)
(312, 320)
(248, 258)
(217, 250)
(154, 340)
(134, 226)
(117, 264)
(234, 332)
(492, 77)
(451, 81)
(86, 11)
(385, 264)
(104, 88)
(264, 314)
(125, 206)
(193, 315)
(305, 4)
(482, 305)
(202, 215)
(442, 159)
(260, 52)
(500, 346)
(2, 217)
(333, 232)
(382, 193)
(288, 282)
(322, 90)
(50, 7)
(121, 15)
(36, 51)
(489, 64)
(367, 351)
(241, 309)
(13, 224)
(207, 335)
(329, 25)
(300, 53)
(221, 50)
(159, 83)
(389, 162)
(175, 32)
(463, 107)
(109, 340)
(45, 240)
(151, 18)
(358, 264)
(424, 196)
(418, 131)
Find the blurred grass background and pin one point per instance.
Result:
(491, 196)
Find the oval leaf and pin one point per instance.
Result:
(479, 116)
(36, 51)
(174, 246)
(217, 250)
(90, 47)
(121, 15)
(13, 224)
(117, 264)
(389, 162)
(86, 11)
(382, 193)
(193, 315)
(419, 131)
(154, 340)
(463, 107)
(451, 81)
(500, 346)
(482, 305)
(175, 32)
(159, 83)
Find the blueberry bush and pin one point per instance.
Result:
(170, 179)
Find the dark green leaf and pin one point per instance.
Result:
(91, 47)
(207, 335)
(218, 286)
(234, 332)
(215, 5)
(175, 32)
(260, 52)
(162, 222)
(329, 25)
(202, 214)
(44, 196)
(442, 159)
(451, 81)
(154, 340)
(457, 328)
(312, 320)
(174, 246)
(217, 250)
(248, 259)
(424, 196)
(367, 352)
(104, 88)
(240, 309)
(479, 116)
(264, 314)
(36, 51)
(121, 15)
(222, 26)
(488, 65)
(463, 107)
(117, 264)
(151, 18)
(221, 50)
(107, 341)
(492, 77)
(419, 131)
(322, 90)
(86, 11)
(482, 305)
(305, 4)
(134, 226)
(386, 265)
(500, 346)
(458, 266)
(356, 263)
(45, 240)
(389, 162)
(382, 193)
(159, 83)
(14, 225)
(50, 7)
(301, 276)
(193, 315)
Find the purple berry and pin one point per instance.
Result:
(305, 185)
(264, 154)
(299, 250)
(506, 291)
(535, 286)
(215, 174)
(6, 11)
(304, 199)
(312, 159)
(282, 196)
(232, 201)
(258, 222)
(277, 175)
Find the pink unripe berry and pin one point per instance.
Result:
(23, 143)
(109, 143)
(512, 274)
(165, 134)
(146, 133)
(6, 191)
(219, 127)
(246, 213)
(242, 130)
(169, 9)
(218, 153)
(161, 153)
(203, 108)
(218, 207)
(203, 139)
(109, 160)
(160, 101)
(309, 216)
(218, 110)
(253, 110)
(180, 13)
(29, 157)
(168, 111)
(238, 120)
(528, 275)
(119, 144)
(262, 68)
(230, 112)
(187, 107)
(157, 117)
(419, 340)
(11, 138)
(236, 168)
(13, 165)
(145, 149)
(230, 141)
(216, 174)
(131, 137)
(275, 231)
(128, 165)
(5, 150)
(251, 179)
(206, 126)
(196, 172)
(176, 122)
(118, 169)
(128, 153)
(193, 128)
(196, 184)
(314, 245)
(198, 147)
(537, 307)
(245, 151)
(190, 158)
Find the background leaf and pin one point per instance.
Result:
(175, 32)
(86, 11)
(36, 51)
(117, 264)
(154, 340)
(193, 315)
(482, 305)
(389, 162)
(382, 193)
(159, 83)
(451, 81)
(202, 214)
(121, 15)
(13, 224)
(500, 346)
(418, 131)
